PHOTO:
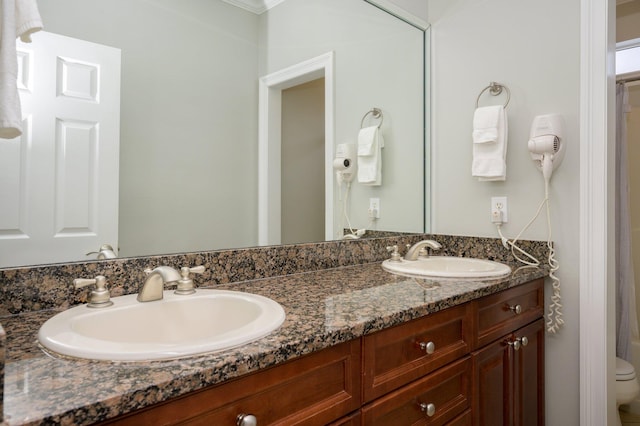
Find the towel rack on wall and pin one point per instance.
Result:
(494, 90)
(375, 113)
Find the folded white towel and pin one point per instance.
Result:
(485, 124)
(490, 144)
(370, 143)
(18, 18)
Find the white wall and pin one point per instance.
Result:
(378, 63)
(533, 48)
(188, 177)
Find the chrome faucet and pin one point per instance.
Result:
(105, 252)
(419, 249)
(154, 283)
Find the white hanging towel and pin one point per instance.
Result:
(18, 18)
(489, 143)
(370, 143)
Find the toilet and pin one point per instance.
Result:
(627, 387)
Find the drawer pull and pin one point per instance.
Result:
(515, 344)
(428, 347)
(246, 420)
(429, 409)
(517, 309)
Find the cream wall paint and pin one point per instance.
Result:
(302, 146)
(627, 16)
(475, 42)
(628, 28)
(217, 144)
(633, 151)
(377, 64)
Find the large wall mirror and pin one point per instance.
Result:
(189, 121)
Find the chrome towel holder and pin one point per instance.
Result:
(494, 90)
(375, 113)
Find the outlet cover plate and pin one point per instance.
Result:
(500, 203)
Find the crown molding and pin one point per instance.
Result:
(254, 6)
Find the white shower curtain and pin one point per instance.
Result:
(626, 317)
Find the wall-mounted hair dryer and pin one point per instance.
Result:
(546, 143)
(345, 162)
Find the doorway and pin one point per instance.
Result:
(302, 147)
(270, 146)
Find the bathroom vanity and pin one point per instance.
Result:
(359, 346)
(481, 363)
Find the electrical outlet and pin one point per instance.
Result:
(499, 209)
(374, 208)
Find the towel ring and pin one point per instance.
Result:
(375, 113)
(494, 90)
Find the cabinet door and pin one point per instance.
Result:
(509, 379)
(492, 384)
(529, 376)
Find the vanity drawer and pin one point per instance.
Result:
(508, 310)
(315, 389)
(445, 391)
(394, 357)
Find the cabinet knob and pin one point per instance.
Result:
(523, 340)
(428, 347)
(246, 420)
(428, 409)
(515, 344)
(517, 309)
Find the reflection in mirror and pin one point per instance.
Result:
(189, 148)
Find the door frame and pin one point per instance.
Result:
(269, 141)
(597, 265)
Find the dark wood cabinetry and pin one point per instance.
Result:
(508, 373)
(435, 399)
(479, 363)
(313, 390)
(398, 355)
(508, 379)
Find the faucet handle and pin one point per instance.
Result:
(98, 298)
(185, 284)
(395, 256)
(194, 270)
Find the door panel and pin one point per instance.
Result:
(59, 180)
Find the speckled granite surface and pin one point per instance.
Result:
(323, 306)
(50, 286)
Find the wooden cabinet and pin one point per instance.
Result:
(434, 399)
(504, 312)
(508, 367)
(479, 363)
(398, 355)
(313, 390)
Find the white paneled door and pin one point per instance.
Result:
(59, 180)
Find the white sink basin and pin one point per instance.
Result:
(173, 327)
(448, 267)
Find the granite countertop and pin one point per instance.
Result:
(323, 308)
